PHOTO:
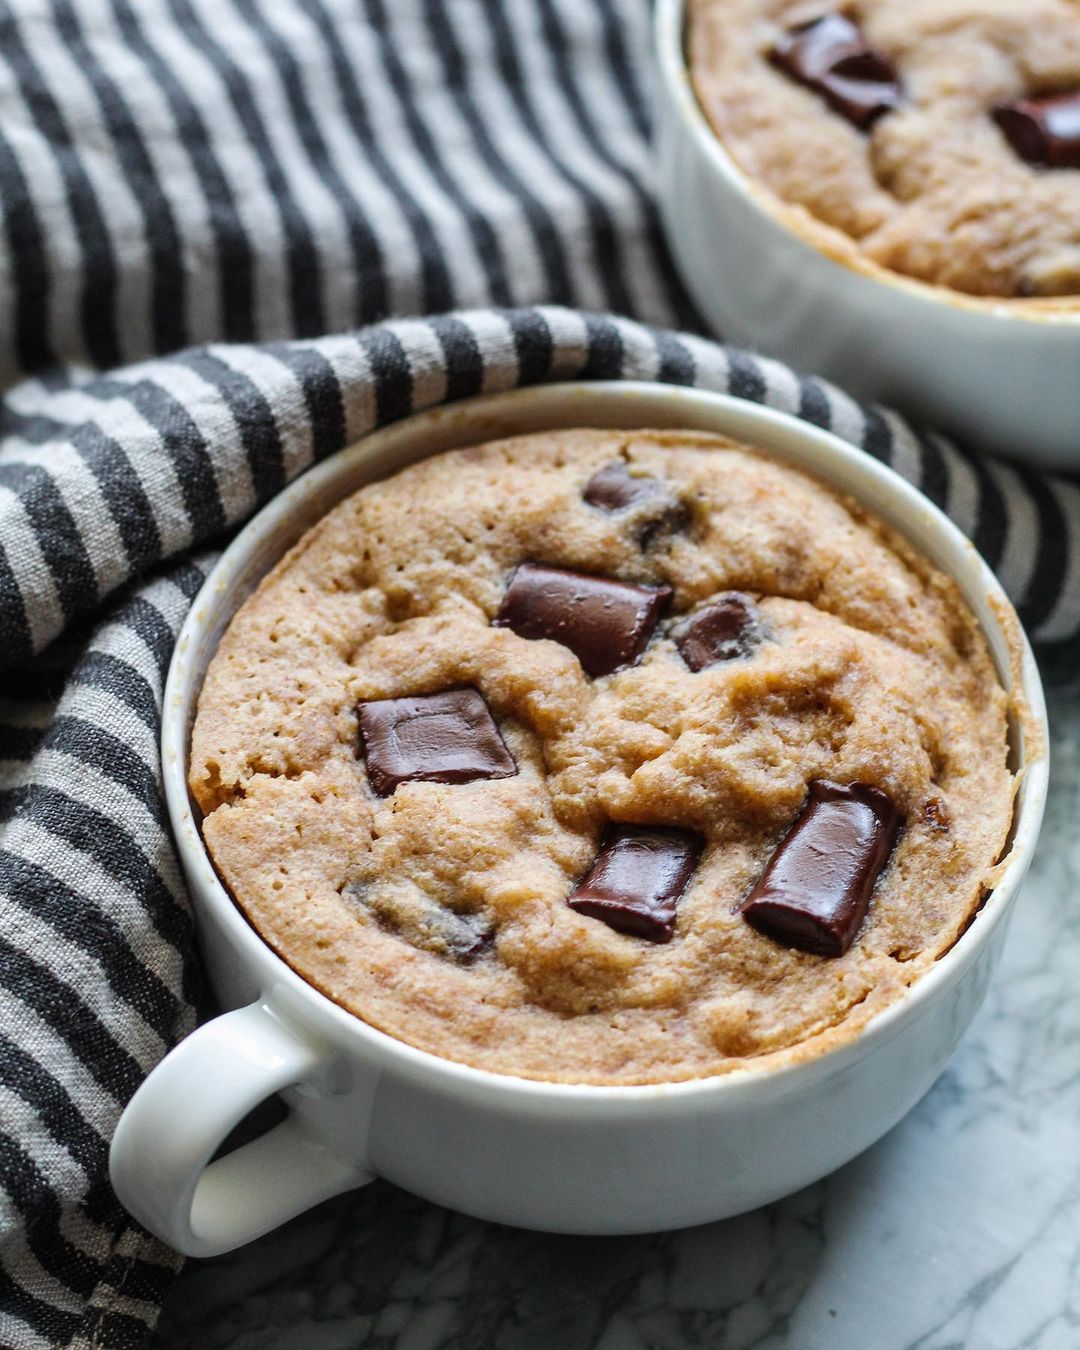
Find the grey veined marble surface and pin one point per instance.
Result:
(960, 1229)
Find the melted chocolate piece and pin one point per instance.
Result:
(614, 488)
(432, 738)
(637, 879)
(464, 937)
(815, 891)
(831, 56)
(606, 624)
(727, 628)
(425, 924)
(1043, 130)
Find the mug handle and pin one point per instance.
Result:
(182, 1114)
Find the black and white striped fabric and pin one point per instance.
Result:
(204, 188)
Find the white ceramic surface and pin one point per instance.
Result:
(998, 377)
(549, 1156)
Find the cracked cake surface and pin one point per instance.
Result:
(932, 189)
(437, 910)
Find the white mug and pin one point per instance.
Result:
(562, 1157)
(1004, 376)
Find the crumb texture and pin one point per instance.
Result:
(933, 190)
(438, 913)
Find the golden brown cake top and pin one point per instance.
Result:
(437, 911)
(939, 183)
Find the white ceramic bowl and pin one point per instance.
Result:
(1000, 376)
(543, 1155)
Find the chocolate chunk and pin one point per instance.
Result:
(727, 628)
(1043, 130)
(613, 488)
(815, 891)
(606, 624)
(831, 56)
(637, 879)
(432, 738)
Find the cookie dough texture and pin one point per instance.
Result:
(933, 190)
(874, 672)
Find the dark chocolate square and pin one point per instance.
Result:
(607, 624)
(637, 879)
(816, 887)
(1043, 130)
(830, 55)
(432, 738)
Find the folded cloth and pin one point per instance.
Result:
(246, 175)
(107, 487)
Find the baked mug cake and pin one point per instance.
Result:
(605, 757)
(939, 139)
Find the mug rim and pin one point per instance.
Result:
(287, 989)
(675, 77)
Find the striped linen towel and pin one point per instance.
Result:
(192, 192)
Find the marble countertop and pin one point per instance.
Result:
(960, 1229)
